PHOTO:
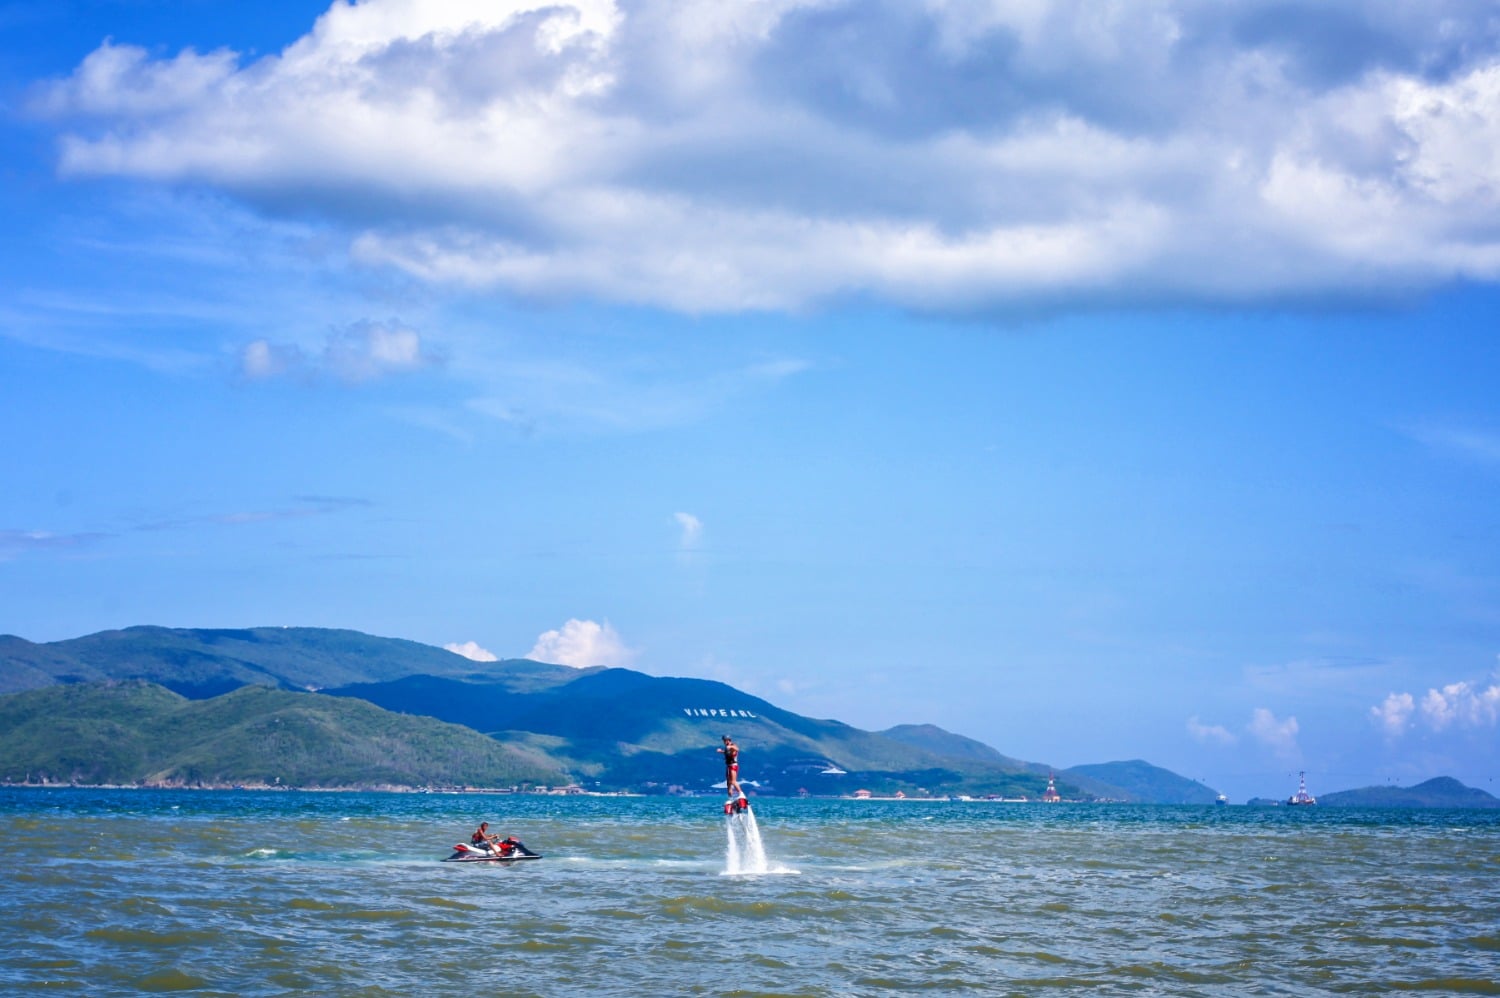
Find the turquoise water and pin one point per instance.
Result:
(246, 893)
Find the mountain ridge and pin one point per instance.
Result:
(617, 727)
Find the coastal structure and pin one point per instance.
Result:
(1051, 796)
(1302, 796)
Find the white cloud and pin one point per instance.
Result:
(692, 530)
(1460, 705)
(1210, 734)
(1394, 713)
(360, 352)
(472, 650)
(14, 543)
(262, 359)
(708, 156)
(581, 644)
(1278, 735)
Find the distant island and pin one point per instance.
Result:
(1441, 791)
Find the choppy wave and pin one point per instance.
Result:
(125, 892)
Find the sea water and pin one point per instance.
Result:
(292, 893)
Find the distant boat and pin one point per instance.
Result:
(1221, 800)
(1302, 796)
(1050, 795)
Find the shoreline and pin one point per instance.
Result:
(500, 791)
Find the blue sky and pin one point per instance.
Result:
(1100, 381)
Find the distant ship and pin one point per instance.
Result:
(1302, 796)
(1221, 800)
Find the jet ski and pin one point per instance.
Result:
(505, 851)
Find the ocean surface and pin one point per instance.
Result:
(106, 892)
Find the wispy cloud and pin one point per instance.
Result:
(628, 393)
(14, 543)
(301, 508)
(1279, 735)
(1466, 443)
(581, 644)
(1301, 675)
(361, 352)
(1209, 734)
(713, 157)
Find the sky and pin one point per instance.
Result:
(1098, 380)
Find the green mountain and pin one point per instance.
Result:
(1074, 783)
(615, 727)
(140, 733)
(1145, 782)
(619, 727)
(1442, 791)
(204, 663)
(934, 739)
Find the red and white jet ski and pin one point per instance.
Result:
(505, 851)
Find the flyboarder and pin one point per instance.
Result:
(731, 753)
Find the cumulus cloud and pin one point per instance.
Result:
(1460, 705)
(472, 650)
(692, 530)
(1278, 735)
(1209, 734)
(580, 644)
(1394, 713)
(716, 156)
(361, 352)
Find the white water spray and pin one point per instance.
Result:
(744, 852)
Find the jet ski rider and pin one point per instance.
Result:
(494, 843)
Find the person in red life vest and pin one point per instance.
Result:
(731, 753)
(483, 839)
(503, 848)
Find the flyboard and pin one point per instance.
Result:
(464, 853)
(740, 805)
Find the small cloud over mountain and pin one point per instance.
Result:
(581, 644)
(472, 650)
